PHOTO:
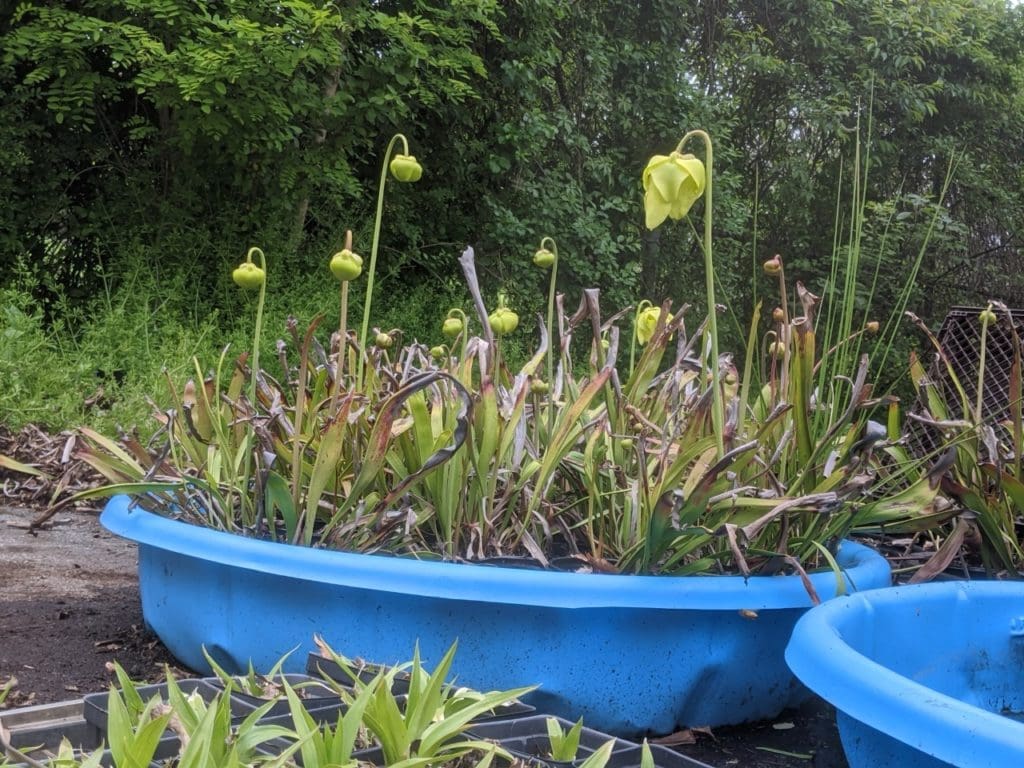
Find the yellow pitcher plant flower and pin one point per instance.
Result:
(647, 321)
(404, 168)
(346, 265)
(503, 320)
(672, 184)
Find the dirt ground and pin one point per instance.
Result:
(69, 605)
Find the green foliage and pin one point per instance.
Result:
(428, 727)
(183, 124)
(193, 128)
(977, 462)
(97, 365)
(400, 456)
(564, 744)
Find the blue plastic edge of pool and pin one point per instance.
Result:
(630, 654)
(928, 722)
(455, 581)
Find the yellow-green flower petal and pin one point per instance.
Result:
(672, 184)
(647, 322)
(656, 210)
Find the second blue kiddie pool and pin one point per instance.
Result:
(923, 676)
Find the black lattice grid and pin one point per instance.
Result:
(960, 339)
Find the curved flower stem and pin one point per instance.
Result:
(787, 332)
(551, 332)
(257, 333)
(339, 365)
(373, 251)
(259, 322)
(980, 398)
(464, 334)
(717, 406)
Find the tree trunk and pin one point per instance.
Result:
(331, 83)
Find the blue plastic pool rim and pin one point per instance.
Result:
(897, 706)
(489, 584)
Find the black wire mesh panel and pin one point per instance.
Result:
(960, 339)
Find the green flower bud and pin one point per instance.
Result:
(672, 184)
(503, 320)
(987, 316)
(452, 327)
(777, 349)
(647, 321)
(544, 258)
(539, 387)
(405, 168)
(438, 352)
(248, 276)
(383, 340)
(346, 265)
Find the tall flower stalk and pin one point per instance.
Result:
(345, 266)
(545, 257)
(672, 184)
(404, 168)
(250, 276)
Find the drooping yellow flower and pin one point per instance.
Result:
(452, 326)
(346, 265)
(503, 320)
(672, 184)
(405, 168)
(647, 321)
(248, 276)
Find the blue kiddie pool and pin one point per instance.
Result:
(630, 654)
(923, 676)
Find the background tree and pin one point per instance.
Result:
(144, 144)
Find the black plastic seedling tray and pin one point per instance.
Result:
(95, 705)
(312, 692)
(528, 737)
(663, 758)
(320, 666)
(41, 729)
(38, 732)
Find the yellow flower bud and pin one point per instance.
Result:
(672, 184)
(452, 327)
(346, 265)
(872, 326)
(405, 168)
(773, 266)
(778, 315)
(383, 340)
(248, 276)
(503, 320)
(544, 258)
(777, 349)
(647, 321)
